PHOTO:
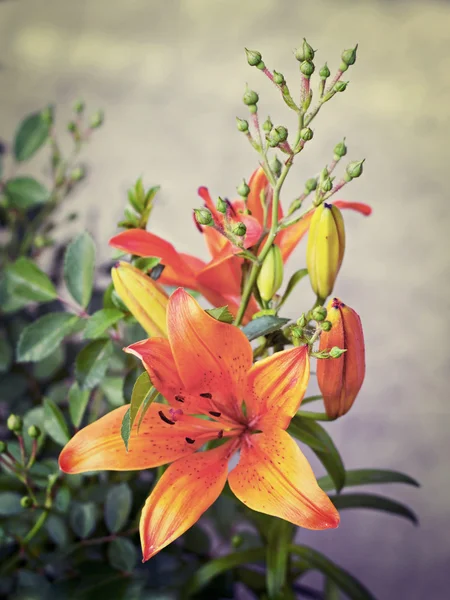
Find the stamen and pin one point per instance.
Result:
(213, 413)
(189, 440)
(206, 395)
(220, 434)
(179, 398)
(163, 417)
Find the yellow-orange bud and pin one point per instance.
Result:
(144, 298)
(340, 379)
(270, 276)
(325, 251)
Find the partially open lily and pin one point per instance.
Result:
(214, 393)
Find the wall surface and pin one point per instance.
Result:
(170, 77)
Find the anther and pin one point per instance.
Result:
(220, 434)
(189, 440)
(163, 417)
(179, 398)
(206, 395)
(213, 413)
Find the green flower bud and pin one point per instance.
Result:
(305, 52)
(243, 189)
(340, 86)
(250, 97)
(297, 332)
(14, 423)
(267, 125)
(311, 185)
(354, 169)
(47, 115)
(72, 127)
(34, 432)
(3, 447)
(239, 229)
(336, 352)
(242, 124)
(79, 106)
(324, 174)
(349, 56)
(221, 206)
(324, 71)
(236, 540)
(270, 276)
(326, 185)
(77, 174)
(97, 119)
(273, 139)
(340, 150)
(302, 321)
(26, 502)
(278, 78)
(319, 313)
(306, 134)
(203, 216)
(261, 66)
(253, 57)
(282, 133)
(326, 326)
(307, 68)
(253, 109)
(276, 166)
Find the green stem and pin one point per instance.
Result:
(37, 527)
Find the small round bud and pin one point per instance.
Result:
(319, 313)
(349, 56)
(340, 86)
(354, 169)
(282, 133)
(236, 540)
(302, 321)
(34, 432)
(306, 134)
(78, 106)
(77, 174)
(242, 124)
(239, 229)
(250, 97)
(72, 127)
(324, 71)
(326, 326)
(297, 332)
(47, 115)
(336, 352)
(3, 447)
(307, 68)
(26, 502)
(261, 66)
(203, 216)
(273, 139)
(267, 125)
(311, 185)
(305, 52)
(253, 57)
(326, 185)
(278, 78)
(253, 109)
(276, 166)
(97, 119)
(340, 150)
(243, 189)
(14, 423)
(221, 206)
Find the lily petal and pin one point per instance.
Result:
(257, 183)
(274, 477)
(211, 357)
(185, 491)
(99, 446)
(276, 386)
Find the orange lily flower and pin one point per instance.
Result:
(205, 369)
(219, 281)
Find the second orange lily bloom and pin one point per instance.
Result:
(214, 393)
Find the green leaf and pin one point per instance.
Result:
(221, 314)
(48, 367)
(92, 363)
(57, 530)
(112, 387)
(331, 591)
(302, 432)
(309, 399)
(125, 429)
(78, 401)
(376, 502)
(355, 477)
(27, 281)
(220, 565)
(141, 390)
(277, 556)
(331, 458)
(31, 134)
(83, 518)
(41, 338)
(10, 504)
(117, 507)
(146, 263)
(145, 406)
(345, 582)
(263, 326)
(55, 424)
(101, 321)
(25, 192)
(79, 265)
(295, 278)
(122, 555)
(6, 354)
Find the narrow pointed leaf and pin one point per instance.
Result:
(141, 390)
(92, 363)
(117, 507)
(375, 502)
(221, 314)
(125, 430)
(26, 280)
(331, 591)
(263, 326)
(151, 397)
(54, 422)
(101, 321)
(79, 264)
(78, 401)
(31, 134)
(303, 433)
(39, 339)
(122, 555)
(295, 278)
(277, 556)
(356, 477)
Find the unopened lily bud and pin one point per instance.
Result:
(239, 229)
(282, 133)
(349, 56)
(302, 321)
(250, 97)
(270, 276)
(306, 134)
(340, 86)
(276, 166)
(253, 57)
(319, 313)
(221, 206)
(34, 432)
(340, 150)
(327, 185)
(267, 125)
(341, 378)
(354, 169)
(326, 326)
(278, 78)
(305, 52)
(143, 297)
(243, 189)
(324, 71)
(307, 68)
(311, 185)
(78, 106)
(325, 250)
(97, 120)
(26, 502)
(336, 352)
(203, 216)
(14, 423)
(242, 124)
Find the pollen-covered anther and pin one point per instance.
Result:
(214, 413)
(206, 395)
(179, 398)
(163, 417)
(189, 440)
(220, 434)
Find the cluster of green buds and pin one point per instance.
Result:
(254, 59)
(139, 207)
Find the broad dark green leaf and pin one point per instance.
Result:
(78, 401)
(125, 429)
(54, 422)
(101, 321)
(277, 556)
(10, 504)
(122, 555)
(83, 518)
(48, 367)
(79, 265)
(26, 280)
(92, 363)
(346, 582)
(263, 325)
(30, 136)
(197, 540)
(375, 502)
(118, 506)
(6, 354)
(220, 565)
(295, 278)
(355, 477)
(330, 458)
(57, 530)
(221, 314)
(24, 192)
(41, 338)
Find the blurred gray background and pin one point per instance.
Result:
(170, 76)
